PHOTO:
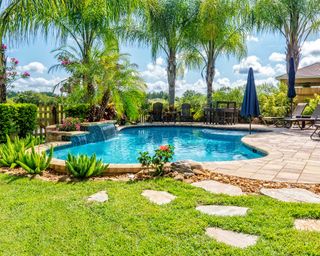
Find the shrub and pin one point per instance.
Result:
(34, 163)
(17, 119)
(70, 124)
(162, 156)
(10, 152)
(312, 104)
(78, 111)
(84, 167)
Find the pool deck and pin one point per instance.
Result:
(292, 156)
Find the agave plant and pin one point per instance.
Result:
(83, 166)
(33, 162)
(9, 152)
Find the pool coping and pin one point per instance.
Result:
(267, 168)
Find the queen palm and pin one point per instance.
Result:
(220, 29)
(295, 20)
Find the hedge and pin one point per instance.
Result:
(78, 111)
(17, 119)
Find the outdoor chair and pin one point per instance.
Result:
(156, 115)
(316, 133)
(287, 121)
(186, 114)
(170, 115)
(301, 121)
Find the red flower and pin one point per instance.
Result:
(164, 148)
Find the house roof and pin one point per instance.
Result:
(312, 71)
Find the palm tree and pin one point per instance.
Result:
(220, 29)
(295, 20)
(164, 26)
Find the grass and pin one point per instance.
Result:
(43, 218)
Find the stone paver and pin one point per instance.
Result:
(220, 210)
(239, 240)
(218, 188)
(292, 195)
(158, 197)
(99, 197)
(307, 224)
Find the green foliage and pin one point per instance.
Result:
(84, 167)
(78, 111)
(70, 124)
(34, 163)
(17, 119)
(11, 150)
(229, 94)
(34, 98)
(312, 104)
(197, 102)
(161, 156)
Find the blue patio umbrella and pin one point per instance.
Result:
(291, 82)
(250, 105)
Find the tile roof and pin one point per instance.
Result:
(312, 71)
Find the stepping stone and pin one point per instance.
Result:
(307, 224)
(235, 239)
(99, 197)
(158, 197)
(292, 195)
(218, 188)
(219, 210)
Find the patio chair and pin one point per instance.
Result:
(316, 132)
(170, 115)
(301, 121)
(287, 121)
(186, 114)
(156, 115)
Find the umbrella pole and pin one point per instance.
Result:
(291, 107)
(250, 125)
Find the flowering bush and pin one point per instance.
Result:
(162, 156)
(70, 124)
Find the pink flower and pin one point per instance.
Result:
(14, 61)
(3, 47)
(164, 148)
(25, 74)
(65, 62)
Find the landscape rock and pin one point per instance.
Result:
(99, 197)
(220, 210)
(218, 188)
(235, 239)
(179, 177)
(296, 195)
(158, 197)
(307, 224)
(186, 166)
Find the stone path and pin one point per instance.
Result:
(292, 195)
(99, 197)
(158, 197)
(218, 188)
(307, 224)
(235, 239)
(220, 210)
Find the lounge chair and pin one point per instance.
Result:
(301, 121)
(186, 114)
(316, 132)
(287, 121)
(156, 115)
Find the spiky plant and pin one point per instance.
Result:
(9, 152)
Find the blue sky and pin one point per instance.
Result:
(265, 55)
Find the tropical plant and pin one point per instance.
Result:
(157, 162)
(312, 104)
(220, 29)
(83, 166)
(34, 163)
(164, 25)
(70, 124)
(295, 20)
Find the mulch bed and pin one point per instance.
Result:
(247, 185)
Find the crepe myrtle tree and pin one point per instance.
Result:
(295, 20)
(8, 73)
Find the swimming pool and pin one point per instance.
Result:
(191, 143)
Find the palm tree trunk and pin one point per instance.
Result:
(293, 50)
(3, 85)
(210, 74)
(172, 74)
(103, 106)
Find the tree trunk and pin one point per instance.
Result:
(293, 50)
(103, 106)
(210, 74)
(3, 85)
(172, 74)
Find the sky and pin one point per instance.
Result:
(265, 55)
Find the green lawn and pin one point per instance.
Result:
(43, 218)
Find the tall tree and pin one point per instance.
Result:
(220, 29)
(164, 26)
(295, 20)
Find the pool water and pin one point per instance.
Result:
(198, 144)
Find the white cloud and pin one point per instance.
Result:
(36, 67)
(251, 38)
(38, 84)
(253, 62)
(155, 71)
(311, 48)
(277, 57)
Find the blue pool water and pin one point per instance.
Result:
(198, 144)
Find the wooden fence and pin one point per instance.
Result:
(48, 115)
